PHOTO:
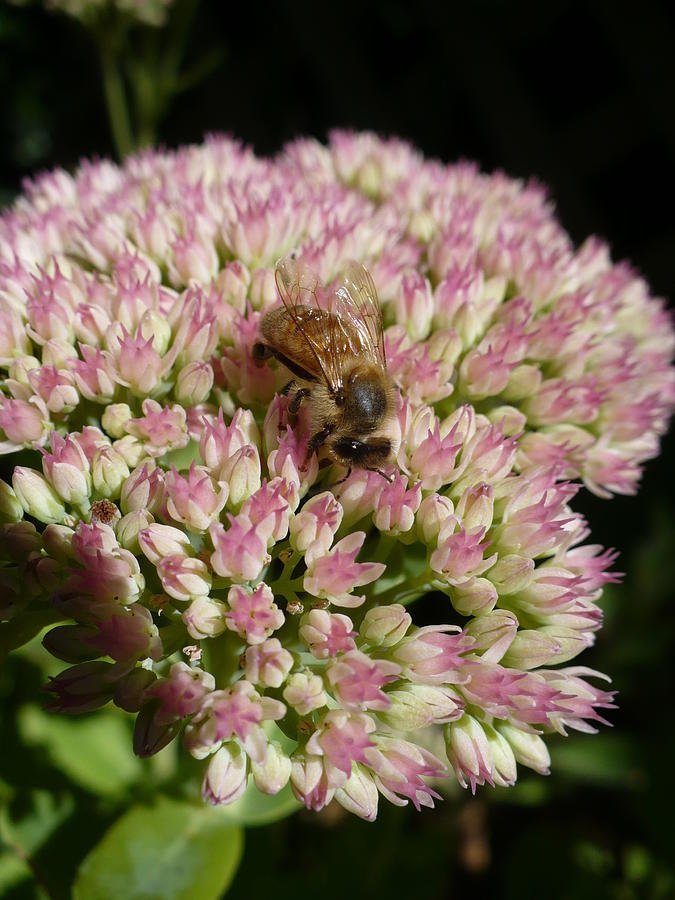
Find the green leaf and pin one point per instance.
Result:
(254, 808)
(169, 851)
(26, 824)
(606, 760)
(94, 751)
(23, 628)
(13, 871)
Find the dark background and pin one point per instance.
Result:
(581, 95)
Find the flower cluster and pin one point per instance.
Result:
(219, 586)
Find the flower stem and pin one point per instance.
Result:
(115, 99)
(409, 587)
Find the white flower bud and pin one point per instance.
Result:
(529, 749)
(359, 794)
(225, 777)
(114, 419)
(385, 625)
(272, 775)
(37, 496)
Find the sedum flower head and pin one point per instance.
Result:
(231, 596)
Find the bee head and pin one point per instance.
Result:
(366, 454)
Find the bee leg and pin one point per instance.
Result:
(344, 478)
(389, 478)
(287, 387)
(298, 397)
(260, 352)
(316, 441)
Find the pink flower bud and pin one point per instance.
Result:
(396, 506)
(357, 680)
(358, 495)
(194, 501)
(415, 305)
(239, 553)
(143, 489)
(192, 259)
(316, 523)
(181, 693)
(503, 759)
(433, 511)
(95, 374)
(14, 341)
(184, 577)
(127, 633)
(263, 290)
(327, 634)
(24, 421)
(469, 752)
(459, 555)
(253, 615)
(161, 428)
(399, 768)
(342, 738)
(475, 507)
(335, 575)
(159, 541)
(234, 281)
(309, 781)
(91, 323)
(219, 441)
(268, 663)
(55, 387)
(269, 509)
(67, 469)
(431, 655)
(237, 711)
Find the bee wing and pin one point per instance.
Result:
(357, 303)
(309, 307)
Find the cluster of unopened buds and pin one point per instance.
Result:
(207, 577)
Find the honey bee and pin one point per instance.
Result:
(331, 340)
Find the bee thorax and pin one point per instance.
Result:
(365, 402)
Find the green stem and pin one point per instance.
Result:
(115, 98)
(408, 587)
